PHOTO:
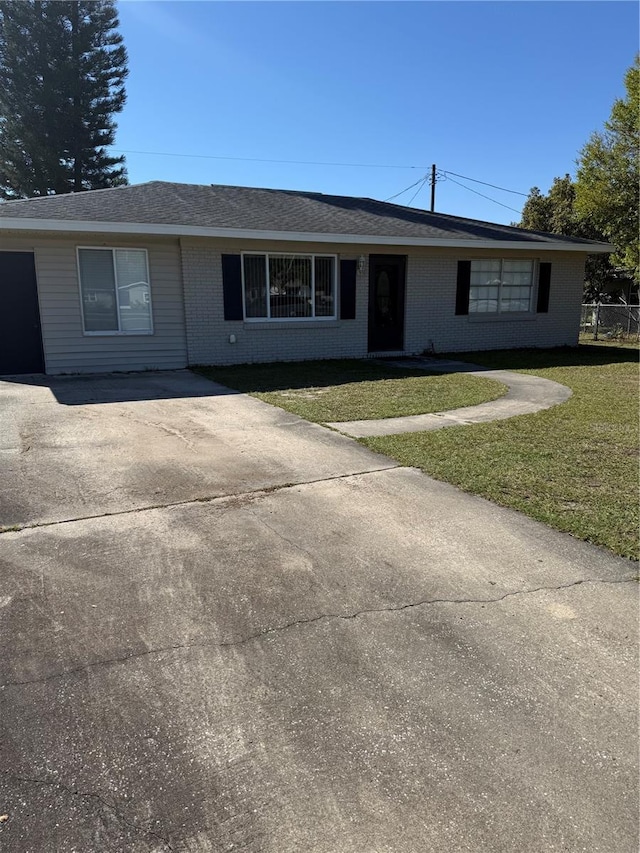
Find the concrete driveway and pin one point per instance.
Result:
(224, 628)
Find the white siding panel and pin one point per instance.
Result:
(67, 349)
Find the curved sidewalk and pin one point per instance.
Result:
(526, 394)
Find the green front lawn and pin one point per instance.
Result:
(349, 390)
(574, 467)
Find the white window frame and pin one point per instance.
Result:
(312, 258)
(498, 312)
(119, 331)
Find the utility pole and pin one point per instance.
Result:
(433, 188)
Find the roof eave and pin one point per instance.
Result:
(142, 228)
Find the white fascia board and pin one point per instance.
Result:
(142, 228)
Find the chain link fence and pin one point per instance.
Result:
(610, 322)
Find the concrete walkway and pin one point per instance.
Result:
(526, 394)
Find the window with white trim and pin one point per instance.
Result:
(115, 291)
(501, 286)
(284, 287)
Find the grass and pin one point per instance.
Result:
(347, 390)
(630, 341)
(573, 467)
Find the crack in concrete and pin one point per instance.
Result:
(175, 433)
(107, 662)
(281, 536)
(266, 632)
(253, 493)
(415, 604)
(92, 796)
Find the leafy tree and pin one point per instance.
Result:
(563, 217)
(608, 179)
(603, 203)
(555, 213)
(62, 72)
(536, 213)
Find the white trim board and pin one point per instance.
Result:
(93, 227)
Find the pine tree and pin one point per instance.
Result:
(29, 158)
(96, 84)
(62, 72)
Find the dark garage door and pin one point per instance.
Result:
(20, 337)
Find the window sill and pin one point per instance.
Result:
(294, 323)
(520, 317)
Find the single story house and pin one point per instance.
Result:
(163, 275)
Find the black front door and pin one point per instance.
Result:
(20, 337)
(386, 302)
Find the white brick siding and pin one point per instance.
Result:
(430, 320)
(208, 332)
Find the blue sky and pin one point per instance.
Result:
(503, 92)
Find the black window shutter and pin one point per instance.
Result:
(232, 286)
(544, 285)
(348, 271)
(463, 286)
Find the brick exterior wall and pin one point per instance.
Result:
(208, 332)
(430, 320)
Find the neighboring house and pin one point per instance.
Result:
(621, 287)
(164, 275)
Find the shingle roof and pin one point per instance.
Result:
(217, 206)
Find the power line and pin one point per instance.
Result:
(444, 175)
(424, 181)
(441, 173)
(495, 187)
(406, 189)
(266, 160)
(471, 190)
